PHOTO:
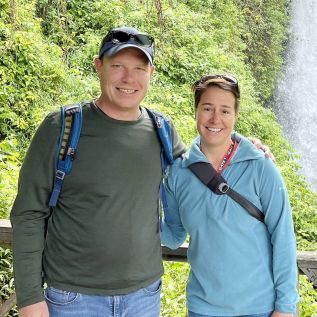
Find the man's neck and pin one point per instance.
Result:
(123, 114)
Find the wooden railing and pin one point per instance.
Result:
(306, 261)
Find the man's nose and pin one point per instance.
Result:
(128, 75)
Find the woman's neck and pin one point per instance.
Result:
(215, 153)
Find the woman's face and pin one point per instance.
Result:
(216, 116)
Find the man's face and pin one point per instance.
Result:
(124, 80)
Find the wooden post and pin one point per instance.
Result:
(307, 264)
(5, 233)
(7, 305)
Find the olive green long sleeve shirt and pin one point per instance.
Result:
(102, 237)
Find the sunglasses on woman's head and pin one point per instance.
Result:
(228, 78)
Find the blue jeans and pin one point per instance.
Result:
(191, 314)
(141, 303)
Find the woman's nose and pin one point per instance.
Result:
(214, 116)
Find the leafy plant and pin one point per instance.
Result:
(173, 297)
(6, 277)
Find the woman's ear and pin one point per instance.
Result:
(236, 117)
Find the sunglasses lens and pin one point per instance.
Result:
(231, 79)
(123, 37)
(120, 37)
(143, 39)
(228, 78)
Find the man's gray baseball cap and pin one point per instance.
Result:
(120, 38)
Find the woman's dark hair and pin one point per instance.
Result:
(226, 82)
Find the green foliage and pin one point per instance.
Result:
(308, 303)
(264, 33)
(31, 72)
(9, 162)
(173, 296)
(6, 277)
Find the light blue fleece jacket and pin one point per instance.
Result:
(239, 266)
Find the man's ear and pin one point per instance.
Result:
(98, 64)
(152, 71)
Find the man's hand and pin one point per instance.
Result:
(35, 310)
(257, 142)
(278, 314)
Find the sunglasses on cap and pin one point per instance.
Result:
(228, 78)
(120, 37)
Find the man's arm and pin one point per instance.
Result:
(258, 143)
(178, 146)
(30, 212)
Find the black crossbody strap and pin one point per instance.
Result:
(246, 204)
(217, 184)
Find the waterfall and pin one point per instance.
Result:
(296, 92)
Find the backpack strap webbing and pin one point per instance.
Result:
(217, 184)
(71, 123)
(65, 138)
(164, 131)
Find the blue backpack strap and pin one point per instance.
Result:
(71, 123)
(164, 131)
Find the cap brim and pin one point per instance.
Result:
(116, 49)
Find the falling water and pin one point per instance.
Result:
(296, 93)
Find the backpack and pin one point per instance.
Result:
(71, 124)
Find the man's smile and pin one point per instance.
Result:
(127, 91)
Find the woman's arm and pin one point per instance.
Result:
(278, 219)
(173, 234)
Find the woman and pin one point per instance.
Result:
(240, 266)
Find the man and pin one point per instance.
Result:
(99, 250)
(101, 255)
